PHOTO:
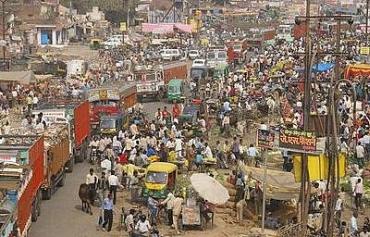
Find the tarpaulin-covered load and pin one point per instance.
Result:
(23, 77)
(165, 28)
(354, 70)
(280, 185)
(322, 67)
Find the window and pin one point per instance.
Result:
(155, 177)
(172, 89)
(211, 55)
(108, 123)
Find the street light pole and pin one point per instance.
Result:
(3, 32)
(367, 21)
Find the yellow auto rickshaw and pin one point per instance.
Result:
(95, 44)
(160, 178)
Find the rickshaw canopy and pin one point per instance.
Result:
(161, 167)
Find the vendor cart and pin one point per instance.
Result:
(191, 215)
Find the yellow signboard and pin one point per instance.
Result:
(122, 26)
(365, 50)
(103, 94)
(318, 166)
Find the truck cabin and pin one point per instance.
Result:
(199, 73)
(111, 124)
(284, 32)
(216, 56)
(104, 107)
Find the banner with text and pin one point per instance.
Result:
(297, 140)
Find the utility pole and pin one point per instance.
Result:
(367, 21)
(123, 33)
(4, 28)
(332, 154)
(307, 91)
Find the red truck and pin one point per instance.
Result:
(28, 152)
(76, 114)
(178, 70)
(110, 101)
(235, 50)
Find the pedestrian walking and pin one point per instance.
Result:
(103, 187)
(360, 154)
(108, 213)
(338, 211)
(129, 222)
(358, 192)
(354, 225)
(169, 206)
(153, 209)
(177, 206)
(114, 183)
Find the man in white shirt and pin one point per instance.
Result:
(92, 182)
(252, 151)
(35, 101)
(178, 146)
(169, 201)
(113, 184)
(207, 152)
(129, 143)
(360, 154)
(106, 165)
(354, 226)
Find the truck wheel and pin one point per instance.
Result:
(38, 207)
(39, 198)
(78, 158)
(62, 181)
(46, 194)
(70, 164)
(34, 214)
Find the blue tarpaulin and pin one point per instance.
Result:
(322, 67)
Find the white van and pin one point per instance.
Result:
(171, 54)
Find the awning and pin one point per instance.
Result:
(23, 77)
(322, 67)
(165, 28)
(357, 70)
(280, 185)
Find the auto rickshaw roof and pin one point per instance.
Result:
(162, 167)
(175, 82)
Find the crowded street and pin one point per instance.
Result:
(173, 118)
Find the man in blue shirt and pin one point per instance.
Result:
(108, 212)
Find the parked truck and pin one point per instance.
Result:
(21, 178)
(108, 101)
(151, 83)
(76, 114)
(57, 152)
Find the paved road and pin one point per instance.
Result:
(62, 216)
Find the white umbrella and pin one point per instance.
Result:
(209, 189)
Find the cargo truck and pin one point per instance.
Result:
(152, 83)
(109, 101)
(76, 114)
(58, 157)
(23, 155)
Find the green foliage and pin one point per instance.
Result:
(115, 10)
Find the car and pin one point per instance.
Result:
(112, 43)
(193, 54)
(171, 54)
(199, 63)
